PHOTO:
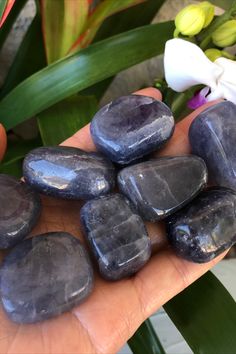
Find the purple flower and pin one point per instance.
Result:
(199, 98)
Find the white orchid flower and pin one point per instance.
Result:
(186, 65)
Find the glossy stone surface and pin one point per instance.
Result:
(117, 236)
(213, 137)
(205, 228)
(20, 208)
(68, 173)
(45, 276)
(131, 126)
(159, 187)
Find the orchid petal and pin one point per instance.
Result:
(226, 86)
(186, 65)
(199, 99)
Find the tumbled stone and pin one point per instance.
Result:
(68, 172)
(206, 227)
(20, 208)
(45, 276)
(117, 236)
(159, 187)
(131, 126)
(212, 136)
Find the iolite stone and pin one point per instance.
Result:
(159, 187)
(205, 228)
(117, 236)
(131, 127)
(212, 136)
(68, 172)
(20, 208)
(45, 276)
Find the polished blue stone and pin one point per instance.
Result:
(117, 236)
(206, 227)
(20, 208)
(161, 186)
(131, 127)
(69, 173)
(212, 136)
(45, 276)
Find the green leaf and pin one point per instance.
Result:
(145, 340)
(104, 9)
(30, 57)
(205, 314)
(18, 148)
(133, 17)
(2, 7)
(63, 22)
(136, 16)
(7, 26)
(16, 151)
(5, 8)
(13, 168)
(65, 118)
(139, 15)
(81, 70)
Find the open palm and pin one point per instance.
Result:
(109, 317)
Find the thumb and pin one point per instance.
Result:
(3, 141)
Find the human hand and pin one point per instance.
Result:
(113, 312)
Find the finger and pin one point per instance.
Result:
(150, 91)
(82, 139)
(3, 141)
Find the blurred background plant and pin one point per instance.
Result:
(67, 59)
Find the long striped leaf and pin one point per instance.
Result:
(81, 70)
(29, 58)
(5, 8)
(105, 9)
(12, 16)
(63, 21)
(65, 118)
(205, 314)
(145, 340)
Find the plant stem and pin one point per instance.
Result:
(227, 15)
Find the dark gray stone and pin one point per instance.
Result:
(131, 126)
(20, 208)
(69, 173)
(45, 276)
(212, 136)
(117, 236)
(205, 228)
(159, 187)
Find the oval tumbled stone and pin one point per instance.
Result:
(68, 172)
(131, 126)
(117, 236)
(159, 187)
(205, 228)
(20, 208)
(45, 276)
(212, 136)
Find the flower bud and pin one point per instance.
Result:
(209, 11)
(213, 54)
(225, 35)
(190, 20)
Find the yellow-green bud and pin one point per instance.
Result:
(225, 35)
(190, 20)
(213, 54)
(209, 11)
